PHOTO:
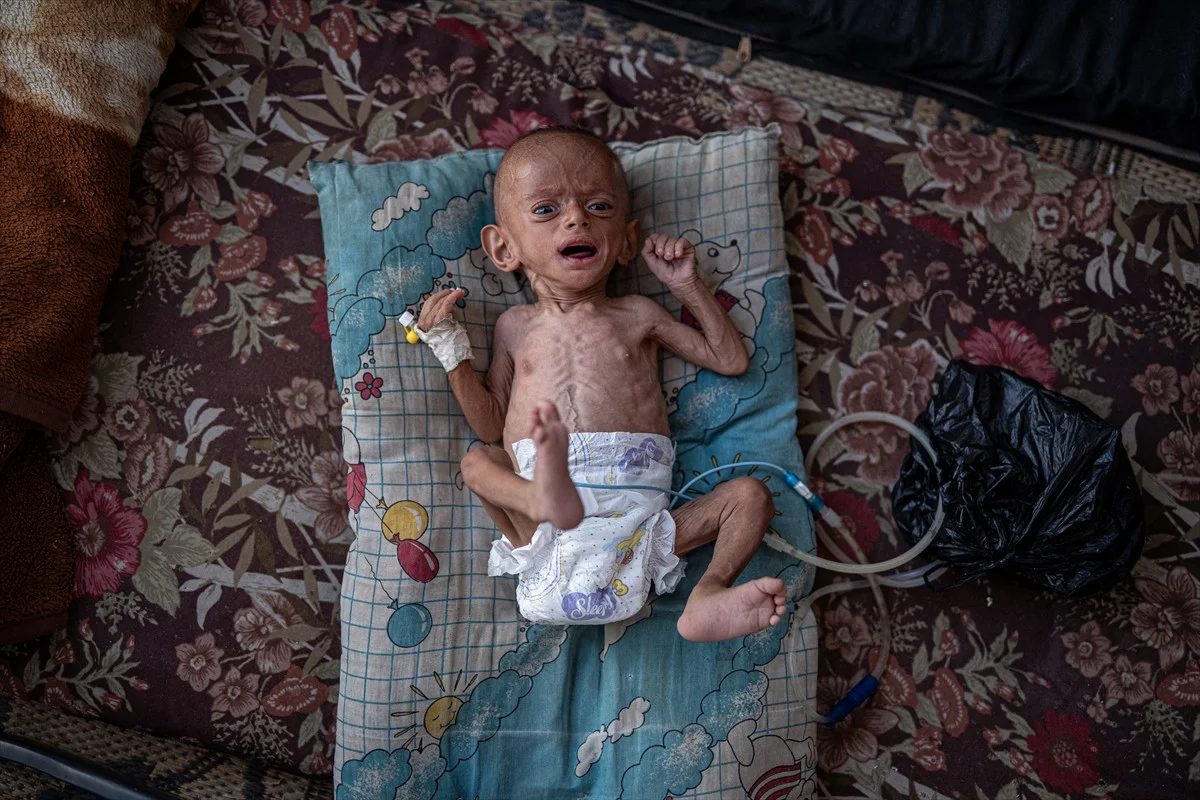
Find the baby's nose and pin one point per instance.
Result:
(576, 217)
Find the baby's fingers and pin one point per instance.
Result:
(651, 243)
(665, 248)
(438, 307)
(448, 303)
(439, 298)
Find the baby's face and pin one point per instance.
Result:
(564, 212)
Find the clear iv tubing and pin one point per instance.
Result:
(862, 692)
(815, 502)
(912, 579)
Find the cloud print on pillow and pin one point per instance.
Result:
(455, 230)
(381, 293)
(407, 272)
(407, 198)
(630, 718)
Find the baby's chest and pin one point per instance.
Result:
(585, 347)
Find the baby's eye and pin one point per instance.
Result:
(599, 205)
(544, 209)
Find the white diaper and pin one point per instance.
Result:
(603, 569)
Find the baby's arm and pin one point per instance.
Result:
(485, 405)
(719, 346)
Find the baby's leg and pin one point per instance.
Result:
(487, 468)
(516, 505)
(735, 515)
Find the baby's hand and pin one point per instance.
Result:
(439, 307)
(672, 260)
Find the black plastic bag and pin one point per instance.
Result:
(1034, 484)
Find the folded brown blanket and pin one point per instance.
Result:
(75, 80)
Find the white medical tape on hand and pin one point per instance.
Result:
(449, 342)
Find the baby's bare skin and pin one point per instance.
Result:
(614, 387)
(580, 361)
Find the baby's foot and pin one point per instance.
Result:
(557, 498)
(716, 613)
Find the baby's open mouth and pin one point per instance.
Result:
(578, 252)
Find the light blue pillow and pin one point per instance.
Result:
(444, 691)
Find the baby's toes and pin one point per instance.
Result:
(771, 586)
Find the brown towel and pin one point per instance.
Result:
(75, 80)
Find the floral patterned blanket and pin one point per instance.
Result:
(203, 466)
(921, 249)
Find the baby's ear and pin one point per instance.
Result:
(498, 249)
(632, 243)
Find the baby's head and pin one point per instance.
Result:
(562, 210)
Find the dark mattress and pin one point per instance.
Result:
(1129, 66)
